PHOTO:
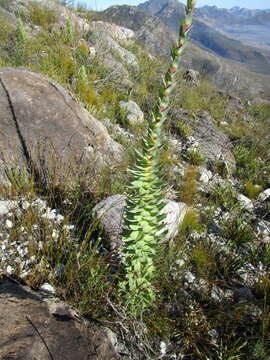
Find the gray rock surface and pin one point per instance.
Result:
(35, 326)
(110, 213)
(105, 38)
(245, 202)
(205, 137)
(134, 113)
(264, 195)
(40, 121)
(192, 76)
(118, 33)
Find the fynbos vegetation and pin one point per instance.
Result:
(203, 295)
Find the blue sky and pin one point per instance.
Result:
(258, 4)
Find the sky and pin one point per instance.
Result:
(251, 4)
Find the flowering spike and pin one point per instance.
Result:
(144, 226)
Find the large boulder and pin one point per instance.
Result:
(110, 214)
(40, 123)
(36, 326)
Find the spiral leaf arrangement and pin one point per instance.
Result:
(144, 225)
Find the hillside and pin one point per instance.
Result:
(83, 98)
(248, 26)
(209, 38)
(224, 72)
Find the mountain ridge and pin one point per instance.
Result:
(158, 37)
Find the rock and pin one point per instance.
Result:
(220, 295)
(206, 138)
(206, 175)
(92, 52)
(34, 326)
(110, 213)
(9, 224)
(190, 277)
(47, 288)
(192, 76)
(245, 202)
(7, 205)
(105, 37)
(263, 231)
(118, 33)
(264, 195)
(243, 294)
(41, 123)
(175, 213)
(134, 113)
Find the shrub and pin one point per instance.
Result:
(225, 196)
(251, 190)
(191, 222)
(237, 231)
(194, 157)
(42, 15)
(188, 188)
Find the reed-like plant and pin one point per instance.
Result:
(143, 222)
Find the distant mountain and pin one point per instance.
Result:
(207, 35)
(249, 26)
(229, 16)
(226, 73)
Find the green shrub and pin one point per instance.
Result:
(191, 222)
(6, 29)
(182, 128)
(237, 231)
(202, 258)
(224, 196)
(251, 190)
(194, 157)
(188, 188)
(42, 15)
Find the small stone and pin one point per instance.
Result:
(55, 234)
(180, 262)
(46, 287)
(92, 52)
(206, 175)
(9, 224)
(245, 202)
(134, 113)
(190, 278)
(163, 348)
(9, 269)
(7, 205)
(25, 205)
(264, 195)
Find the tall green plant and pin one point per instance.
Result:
(144, 226)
